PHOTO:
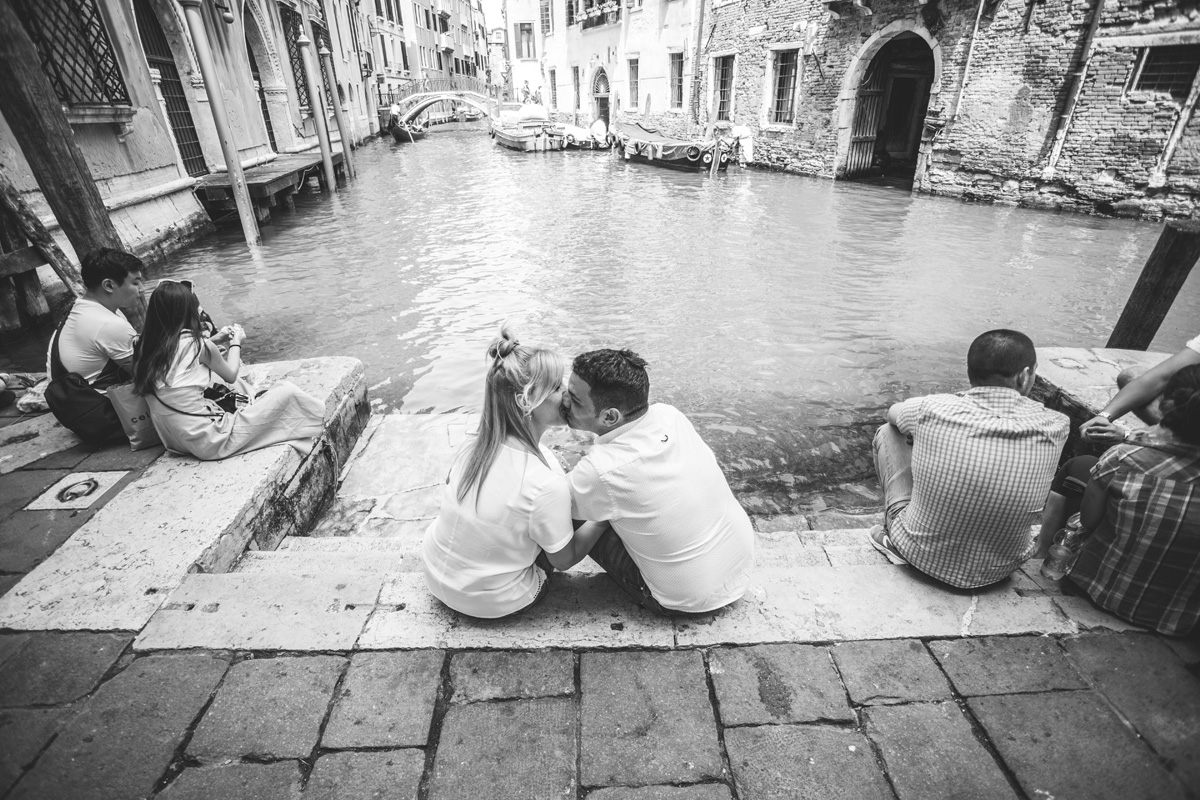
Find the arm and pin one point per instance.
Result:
(228, 366)
(1134, 395)
(903, 415)
(1091, 512)
(1054, 517)
(580, 545)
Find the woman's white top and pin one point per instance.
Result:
(186, 369)
(479, 555)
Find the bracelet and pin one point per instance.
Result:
(233, 346)
(1106, 415)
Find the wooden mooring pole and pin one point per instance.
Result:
(1162, 277)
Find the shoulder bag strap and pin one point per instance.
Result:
(57, 370)
(186, 413)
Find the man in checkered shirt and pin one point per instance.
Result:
(964, 474)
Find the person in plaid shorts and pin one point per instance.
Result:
(965, 474)
(1140, 512)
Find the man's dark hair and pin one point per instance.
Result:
(617, 379)
(1000, 353)
(105, 263)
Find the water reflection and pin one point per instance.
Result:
(789, 302)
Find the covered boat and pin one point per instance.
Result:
(527, 129)
(594, 138)
(639, 143)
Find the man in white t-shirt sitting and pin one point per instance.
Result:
(96, 339)
(679, 541)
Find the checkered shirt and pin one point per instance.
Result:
(1143, 563)
(982, 464)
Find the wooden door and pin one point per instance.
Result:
(868, 118)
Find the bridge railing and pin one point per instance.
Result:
(458, 83)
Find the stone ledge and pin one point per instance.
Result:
(184, 515)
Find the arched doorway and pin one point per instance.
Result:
(158, 55)
(890, 104)
(600, 94)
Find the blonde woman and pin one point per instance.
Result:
(506, 501)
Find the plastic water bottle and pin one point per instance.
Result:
(1064, 550)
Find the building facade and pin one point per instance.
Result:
(127, 76)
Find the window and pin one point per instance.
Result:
(290, 21)
(75, 51)
(378, 8)
(547, 17)
(383, 50)
(553, 91)
(441, 66)
(723, 85)
(676, 80)
(633, 83)
(525, 40)
(785, 87)
(416, 15)
(575, 82)
(1170, 70)
(428, 20)
(404, 55)
(391, 15)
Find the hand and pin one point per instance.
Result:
(222, 336)
(1102, 430)
(236, 334)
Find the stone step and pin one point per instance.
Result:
(344, 544)
(319, 562)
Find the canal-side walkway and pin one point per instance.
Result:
(318, 667)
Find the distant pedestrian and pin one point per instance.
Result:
(963, 474)
(525, 93)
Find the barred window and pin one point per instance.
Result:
(676, 80)
(570, 13)
(723, 85)
(1169, 70)
(547, 17)
(633, 83)
(75, 51)
(321, 39)
(785, 86)
(553, 91)
(290, 21)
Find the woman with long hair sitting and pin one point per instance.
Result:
(1141, 560)
(174, 363)
(507, 504)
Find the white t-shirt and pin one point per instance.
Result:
(91, 336)
(186, 369)
(479, 557)
(1194, 344)
(660, 486)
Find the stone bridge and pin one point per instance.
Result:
(416, 103)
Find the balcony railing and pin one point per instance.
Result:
(459, 83)
(600, 15)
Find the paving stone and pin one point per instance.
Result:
(1030, 576)
(27, 538)
(804, 762)
(1153, 689)
(503, 675)
(837, 520)
(781, 522)
(343, 517)
(580, 611)
(823, 604)
(854, 555)
(121, 458)
(105, 486)
(23, 734)
(422, 438)
(699, 791)
(1068, 745)
(777, 683)
(126, 733)
(11, 643)
(32, 439)
(247, 611)
(890, 671)
(1006, 665)
(931, 752)
(1086, 616)
(7, 582)
(268, 708)
(784, 549)
(514, 749)
(278, 781)
(21, 487)
(56, 668)
(386, 700)
(393, 775)
(647, 719)
(67, 458)
(1188, 650)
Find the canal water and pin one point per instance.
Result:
(782, 313)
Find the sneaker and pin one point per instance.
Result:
(880, 541)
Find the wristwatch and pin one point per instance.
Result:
(1108, 416)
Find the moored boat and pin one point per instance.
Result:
(638, 143)
(528, 129)
(594, 138)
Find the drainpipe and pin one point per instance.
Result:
(316, 105)
(1062, 123)
(338, 113)
(216, 102)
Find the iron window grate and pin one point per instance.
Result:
(75, 51)
(290, 21)
(785, 86)
(1170, 70)
(553, 91)
(724, 70)
(321, 37)
(633, 83)
(179, 115)
(676, 80)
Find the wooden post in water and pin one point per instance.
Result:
(1161, 279)
(47, 142)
